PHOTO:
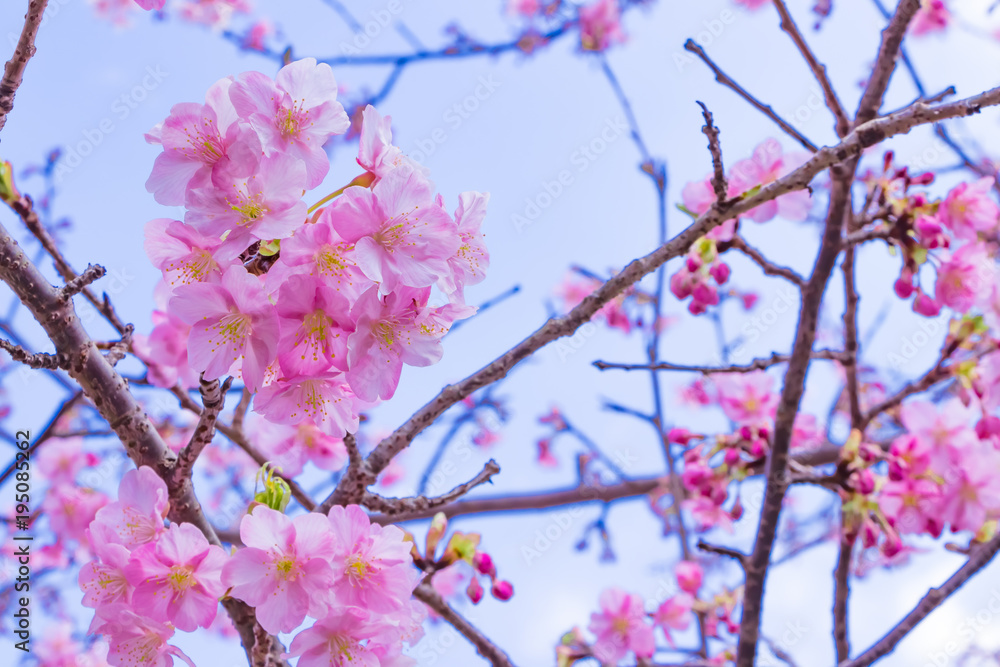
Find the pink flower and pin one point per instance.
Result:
(747, 397)
(925, 305)
(215, 14)
(909, 503)
(806, 433)
(283, 571)
(766, 165)
(317, 250)
(468, 266)
(968, 209)
(621, 627)
(178, 578)
(315, 323)
(753, 5)
(339, 640)
(400, 235)
(184, 255)
(965, 277)
(933, 16)
(600, 25)
(526, 8)
(388, 334)
(689, 576)
(62, 458)
(165, 352)
(103, 580)
(946, 428)
(135, 641)
(203, 144)
(324, 399)
(290, 447)
(137, 517)
(909, 456)
(372, 565)
(233, 326)
(971, 495)
(376, 153)
(674, 614)
(151, 4)
(295, 113)
(70, 510)
(698, 196)
(263, 206)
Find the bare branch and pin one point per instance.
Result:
(394, 506)
(885, 62)
(13, 71)
(978, 559)
(719, 184)
(110, 394)
(843, 122)
(213, 397)
(484, 647)
(755, 365)
(842, 592)
(768, 267)
(725, 80)
(863, 136)
(33, 359)
(76, 285)
(738, 556)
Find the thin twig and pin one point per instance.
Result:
(719, 184)
(13, 72)
(395, 506)
(767, 266)
(755, 365)
(843, 122)
(213, 397)
(978, 559)
(738, 556)
(36, 360)
(842, 592)
(484, 647)
(725, 80)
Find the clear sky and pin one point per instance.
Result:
(96, 89)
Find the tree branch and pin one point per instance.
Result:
(213, 397)
(768, 267)
(33, 359)
(843, 122)
(109, 392)
(863, 136)
(755, 365)
(978, 559)
(13, 71)
(484, 647)
(395, 506)
(725, 80)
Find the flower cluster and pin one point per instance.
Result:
(316, 309)
(955, 236)
(703, 270)
(623, 627)
(148, 580)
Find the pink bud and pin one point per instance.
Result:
(680, 286)
(502, 590)
(904, 284)
(689, 576)
(737, 512)
(706, 294)
(988, 427)
(732, 456)
(484, 564)
(680, 436)
(869, 533)
(693, 263)
(749, 299)
(745, 433)
(475, 590)
(758, 448)
(926, 306)
(720, 271)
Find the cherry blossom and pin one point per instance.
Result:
(621, 627)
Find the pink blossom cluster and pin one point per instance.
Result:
(623, 627)
(956, 236)
(600, 25)
(315, 309)
(577, 286)
(937, 475)
(703, 271)
(149, 580)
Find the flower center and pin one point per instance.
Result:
(235, 326)
(180, 579)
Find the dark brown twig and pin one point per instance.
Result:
(396, 506)
(13, 72)
(725, 80)
(484, 647)
(767, 266)
(755, 365)
(719, 184)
